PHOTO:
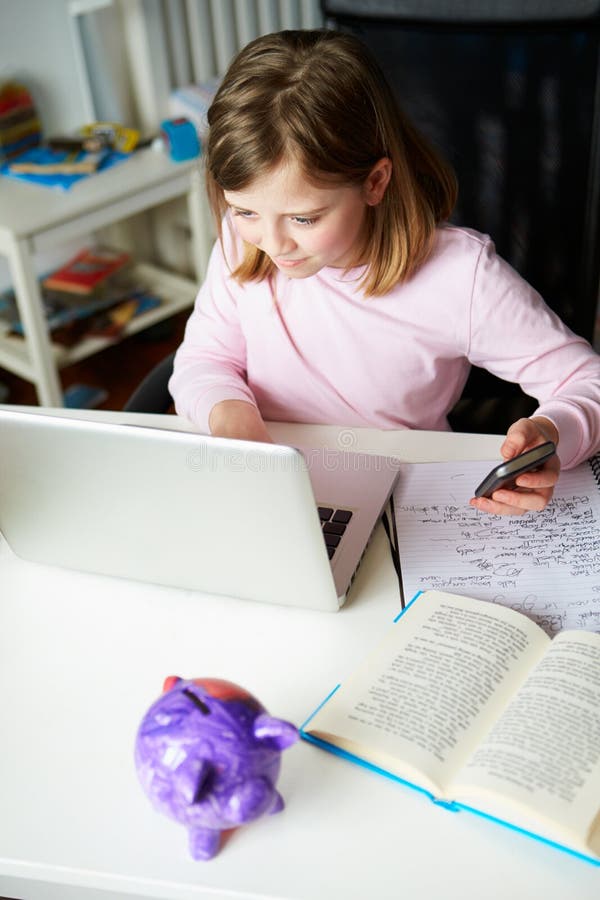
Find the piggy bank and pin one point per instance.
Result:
(208, 755)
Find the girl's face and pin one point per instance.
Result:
(302, 228)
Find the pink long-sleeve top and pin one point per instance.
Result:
(315, 350)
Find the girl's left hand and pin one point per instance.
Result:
(534, 489)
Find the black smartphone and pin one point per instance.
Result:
(504, 475)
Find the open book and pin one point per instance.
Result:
(475, 705)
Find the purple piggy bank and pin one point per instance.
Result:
(208, 755)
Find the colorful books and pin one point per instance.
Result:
(20, 127)
(474, 705)
(104, 312)
(87, 271)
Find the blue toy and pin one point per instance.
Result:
(181, 138)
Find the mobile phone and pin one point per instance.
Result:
(504, 474)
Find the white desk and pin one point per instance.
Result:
(81, 659)
(34, 218)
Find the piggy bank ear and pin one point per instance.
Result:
(170, 682)
(281, 734)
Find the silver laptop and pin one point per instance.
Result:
(257, 521)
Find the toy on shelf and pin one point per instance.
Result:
(62, 161)
(48, 161)
(208, 755)
(180, 138)
(98, 135)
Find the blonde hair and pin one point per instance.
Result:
(318, 97)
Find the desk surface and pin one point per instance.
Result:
(81, 659)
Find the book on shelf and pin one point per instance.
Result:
(111, 323)
(108, 321)
(474, 705)
(71, 317)
(87, 271)
(82, 163)
(58, 170)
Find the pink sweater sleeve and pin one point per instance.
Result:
(210, 364)
(517, 337)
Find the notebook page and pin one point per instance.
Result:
(544, 564)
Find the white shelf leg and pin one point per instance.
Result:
(44, 373)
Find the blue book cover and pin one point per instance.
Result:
(475, 706)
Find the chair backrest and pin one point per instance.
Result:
(152, 394)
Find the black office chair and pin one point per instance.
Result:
(481, 411)
(152, 395)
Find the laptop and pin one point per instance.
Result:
(255, 521)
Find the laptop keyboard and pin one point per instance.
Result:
(333, 523)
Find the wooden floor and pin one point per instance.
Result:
(118, 369)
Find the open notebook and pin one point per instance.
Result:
(544, 564)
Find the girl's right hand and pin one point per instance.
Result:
(238, 419)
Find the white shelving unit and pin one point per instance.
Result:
(34, 218)
(176, 293)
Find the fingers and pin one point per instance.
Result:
(532, 493)
(544, 477)
(522, 435)
(238, 419)
(526, 433)
(513, 503)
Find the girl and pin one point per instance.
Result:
(336, 292)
